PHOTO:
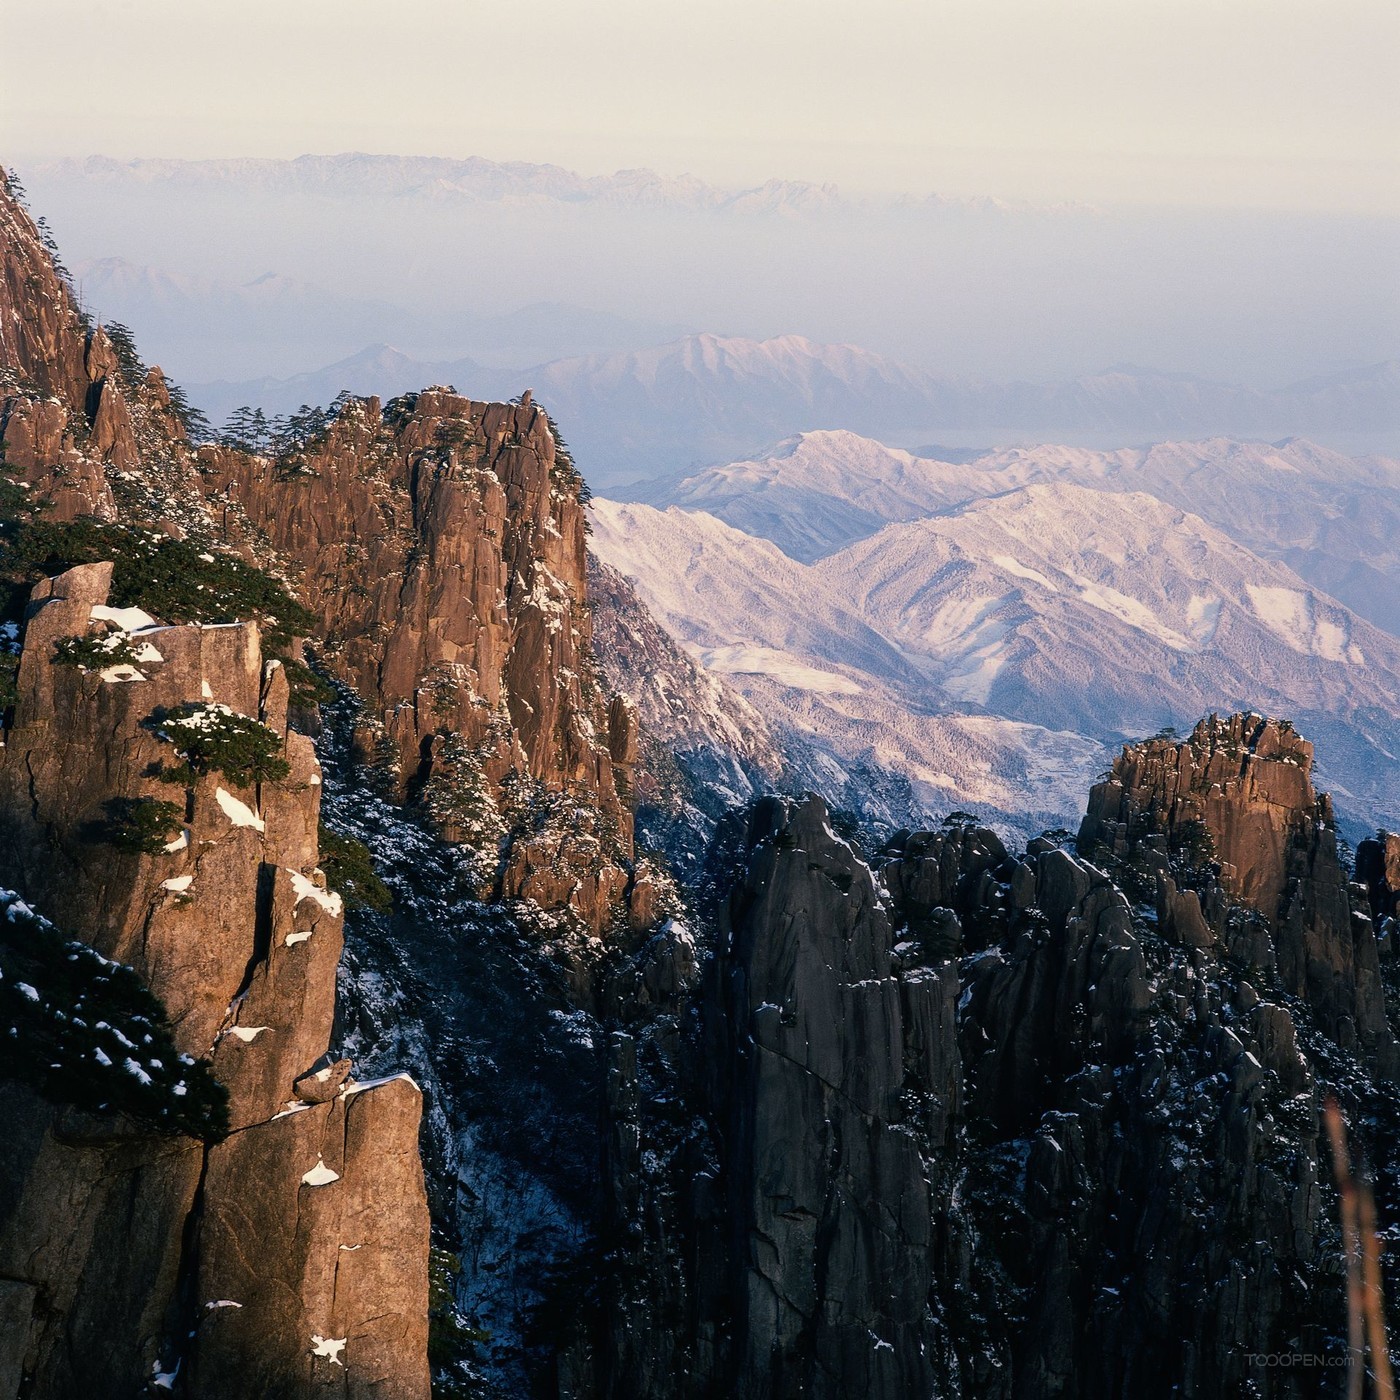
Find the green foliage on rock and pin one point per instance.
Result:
(143, 824)
(564, 474)
(460, 799)
(350, 870)
(175, 580)
(130, 365)
(95, 653)
(193, 420)
(85, 1032)
(304, 687)
(212, 738)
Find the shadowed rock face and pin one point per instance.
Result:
(1378, 868)
(138, 1253)
(814, 1037)
(963, 1122)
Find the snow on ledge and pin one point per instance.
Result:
(320, 1175)
(128, 619)
(354, 1087)
(329, 900)
(239, 813)
(247, 1034)
(177, 883)
(292, 939)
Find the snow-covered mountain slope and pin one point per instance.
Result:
(817, 492)
(740, 605)
(855, 718)
(1059, 608)
(703, 747)
(1334, 519)
(1105, 613)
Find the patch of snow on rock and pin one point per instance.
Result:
(329, 900)
(325, 1346)
(239, 813)
(320, 1175)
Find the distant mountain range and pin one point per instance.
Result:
(895, 608)
(639, 415)
(1025, 297)
(356, 175)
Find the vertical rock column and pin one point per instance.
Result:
(829, 1206)
(294, 1253)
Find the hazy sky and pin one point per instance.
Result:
(1273, 103)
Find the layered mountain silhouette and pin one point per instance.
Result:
(641, 414)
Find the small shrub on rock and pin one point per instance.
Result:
(350, 870)
(143, 824)
(95, 653)
(212, 738)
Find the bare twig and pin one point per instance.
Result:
(1365, 1301)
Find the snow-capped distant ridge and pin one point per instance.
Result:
(817, 491)
(715, 398)
(791, 357)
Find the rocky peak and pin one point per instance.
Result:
(440, 544)
(45, 343)
(1228, 823)
(1245, 779)
(85, 426)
